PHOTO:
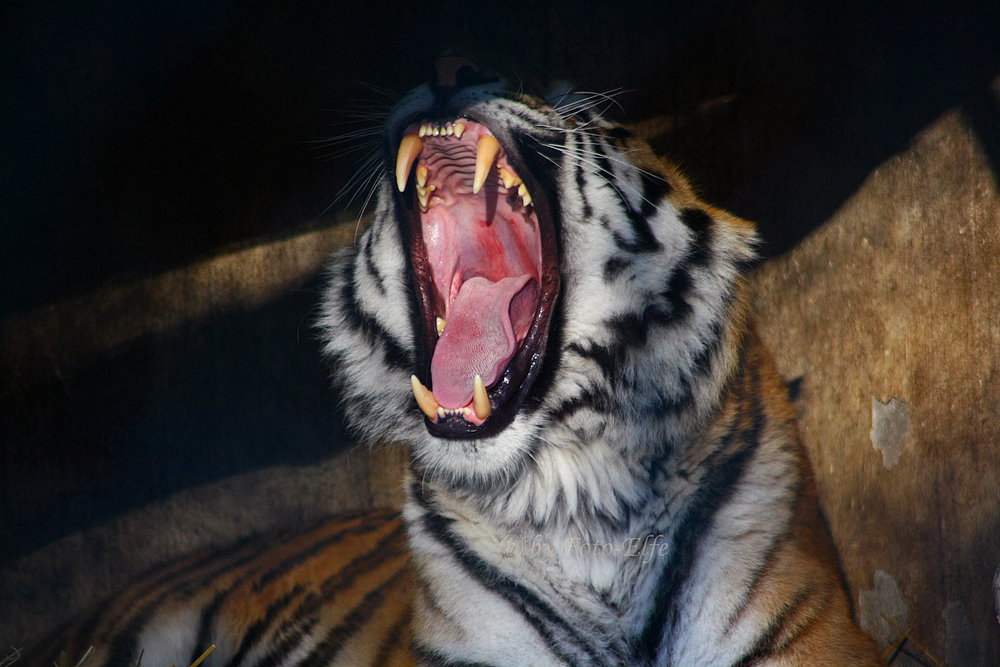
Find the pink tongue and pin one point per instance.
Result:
(480, 337)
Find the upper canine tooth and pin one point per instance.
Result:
(409, 149)
(459, 130)
(480, 401)
(425, 399)
(486, 154)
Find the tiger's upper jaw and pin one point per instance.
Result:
(485, 267)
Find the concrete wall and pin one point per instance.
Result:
(890, 314)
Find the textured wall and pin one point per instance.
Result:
(890, 314)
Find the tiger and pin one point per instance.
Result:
(603, 466)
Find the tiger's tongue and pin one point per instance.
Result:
(480, 338)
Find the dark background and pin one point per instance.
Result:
(140, 137)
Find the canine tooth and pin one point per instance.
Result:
(480, 401)
(425, 399)
(421, 175)
(409, 149)
(459, 130)
(440, 325)
(486, 154)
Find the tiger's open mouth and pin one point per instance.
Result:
(485, 268)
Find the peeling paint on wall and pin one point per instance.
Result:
(996, 588)
(890, 424)
(961, 647)
(883, 600)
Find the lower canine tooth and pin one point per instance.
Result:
(409, 149)
(480, 401)
(486, 155)
(425, 399)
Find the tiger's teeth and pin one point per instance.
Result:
(507, 178)
(424, 195)
(486, 155)
(441, 322)
(425, 399)
(525, 197)
(459, 130)
(450, 129)
(421, 175)
(480, 401)
(409, 149)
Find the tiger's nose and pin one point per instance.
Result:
(456, 70)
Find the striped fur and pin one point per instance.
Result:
(649, 504)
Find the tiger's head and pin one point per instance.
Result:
(534, 280)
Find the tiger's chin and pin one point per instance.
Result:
(485, 268)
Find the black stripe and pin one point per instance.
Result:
(714, 492)
(124, 647)
(699, 222)
(609, 359)
(614, 266)
(366, 524)
(587, 400)
(645, 240)
(539, 614)
(393, 639)
(362, 322)
(256, 631)
(370, 265)
(655, 189)
(326, 651)
(428, 657)
(766, 646)
(305, 617)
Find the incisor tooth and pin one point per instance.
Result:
(409, 149)
(480, 401)
(425, 399)
(486, 155)
(459, 130)
(441, 322)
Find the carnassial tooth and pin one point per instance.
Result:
(459, 130)
(486, 155)
(421, 175)
(480, 401)
(409, 149)
(425, 399)
(440, 325)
